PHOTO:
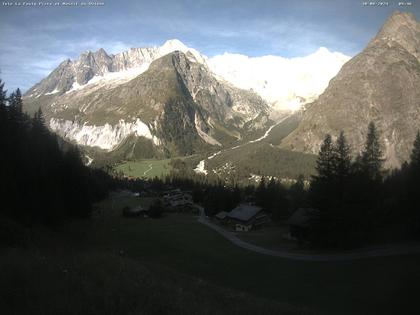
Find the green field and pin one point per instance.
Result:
(145, 168)
(182, 258)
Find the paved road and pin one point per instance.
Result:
(351, 255)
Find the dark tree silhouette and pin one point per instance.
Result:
(372, 156)
(344, 194)
(325, 162)
(41, 181)
(297, 194)
(260, 193)
(341, 166)
(15, 101)
(323, 184)
(415, 154)
(412, 187)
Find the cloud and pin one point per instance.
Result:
(286, 83)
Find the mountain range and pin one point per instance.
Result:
(165, 95)
(170, 99)
(173, 101)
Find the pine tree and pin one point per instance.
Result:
(18, 101)
(260, 193)
(11, 99)
(15, 105)
(413, 180)
(3, 100)
(323, 184)
(371, 158)
(2, 95)
(325, 162)
(3, 132)
(415, 154)
(271, 194)
(342, 159)
(328, 189)
(297, 194)
(38, 120)
(341, 164)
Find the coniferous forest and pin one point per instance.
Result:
(353, 197)
(43, 179)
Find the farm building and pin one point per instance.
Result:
(246, 217)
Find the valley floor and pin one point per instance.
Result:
(145, 168)
(112, 264)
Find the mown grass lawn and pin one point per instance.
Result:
(178, 245)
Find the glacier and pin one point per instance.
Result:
(285, 83)
(112, 78)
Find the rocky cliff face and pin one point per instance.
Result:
(173, 100)
(381, 84)
(403, 29)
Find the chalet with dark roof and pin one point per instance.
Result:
(246, 217)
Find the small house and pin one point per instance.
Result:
(246, 217)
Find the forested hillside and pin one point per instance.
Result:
(43, 178)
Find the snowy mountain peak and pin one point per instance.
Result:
(173, 45)
(176, 45)
(285, 83)
(100, 68)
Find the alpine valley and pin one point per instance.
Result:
(236, 114)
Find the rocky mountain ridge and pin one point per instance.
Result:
(381, 84)
(175, 102)
(96, 66)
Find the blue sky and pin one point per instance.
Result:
(35, 39)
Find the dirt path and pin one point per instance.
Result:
(350, 255)
(147, 171)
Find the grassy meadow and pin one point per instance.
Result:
(174, 265)
(145, 168)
